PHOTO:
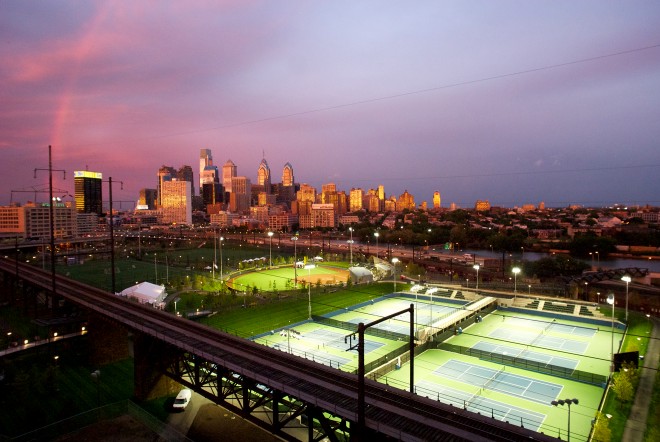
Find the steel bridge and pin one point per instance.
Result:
(283, 393)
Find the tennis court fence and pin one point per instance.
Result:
(373, 331)
(528, 364)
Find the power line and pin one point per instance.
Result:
(384, 97)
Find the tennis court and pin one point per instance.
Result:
(333, 339)
(539, 339)
(479, 404)
(425, 313)
(499, 380)
(555, 327)
(529, 355)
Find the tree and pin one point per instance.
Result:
(602, 432)
(623, 388)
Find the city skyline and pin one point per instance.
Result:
(508, 102)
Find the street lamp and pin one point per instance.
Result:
(270, 250)
(566, 402)
(515, 271)
(394, 261)
(350, 244)
(376, 235)
(222, 238)
(610, 300)
(309, 268)
(627, 280)
(295, 261)
(476, 267)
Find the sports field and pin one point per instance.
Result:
(282, 278)
(483, 384)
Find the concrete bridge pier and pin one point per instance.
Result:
(151, 358)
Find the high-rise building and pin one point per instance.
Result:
(356, 200)
(405, 201)
(239, 200)
(165, 173)
(88, 191)
(436, 200)
(176, 202)
(263, 176)
(482, 206)
(185, 173)
(229, 171)
(287, 176)
(205, 160)
(381, 192)
(147, 199)
(306, 193)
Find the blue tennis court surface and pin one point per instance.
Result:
(317, 355)
(529, 355)
(553, 327)
(539, 339)
(328, 338)
(499, 380)
(479, 404)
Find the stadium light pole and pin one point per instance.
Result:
(270, 250)
(627, 280)
(476, 267)
(295, 261)
(309, 268)
(376, 235)
(515, 271)
(222, 238)
(610, 300)
(350, 244)
(394, 261)
(566, 402)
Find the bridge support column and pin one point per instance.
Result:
(150, 359)
(108, 340)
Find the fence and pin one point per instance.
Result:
(540, 367)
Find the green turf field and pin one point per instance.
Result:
(283, 278)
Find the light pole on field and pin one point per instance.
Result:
(611, 301)
(476, 267)
(309, 268)
(295, 261)
(395, 261)
(627, 280)
(515, 271)
(566, 402)
(270, 250)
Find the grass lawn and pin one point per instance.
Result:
(281, 313)
(48, 393)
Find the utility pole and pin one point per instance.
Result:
(51, 213)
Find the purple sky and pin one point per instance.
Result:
(512, 101)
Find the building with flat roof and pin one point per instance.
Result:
(88, 191)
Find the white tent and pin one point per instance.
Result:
(360, 275)
(146, 293)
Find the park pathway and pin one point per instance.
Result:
(636, 424)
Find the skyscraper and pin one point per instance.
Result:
(205, 160)
(88, 191)
(287, 175)
(229, 171)
(436, 200)
(263, 176)
(165, 173)
(176, 202)
(185, 173)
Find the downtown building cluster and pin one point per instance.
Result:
(223, 197)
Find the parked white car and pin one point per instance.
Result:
(182, 399)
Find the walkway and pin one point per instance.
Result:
(636, 424)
